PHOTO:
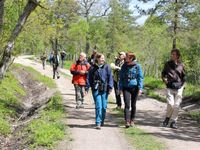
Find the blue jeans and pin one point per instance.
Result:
(100, 99)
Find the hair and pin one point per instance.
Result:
(177, 51)
(83, 54)
(131, 55)
(97, 56)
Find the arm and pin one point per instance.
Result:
(140, 78)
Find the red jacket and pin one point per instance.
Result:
(75, 69)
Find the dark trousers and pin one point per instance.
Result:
(117, 94)
(130, 98)
(55, 71)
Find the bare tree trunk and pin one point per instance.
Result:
(175, 27)
(4, 63)
(1, 14)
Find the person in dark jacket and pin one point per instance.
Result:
(116, 67)
(79, 71)
(131, 85)
(100, 80)
(55, 64)
(173, 75)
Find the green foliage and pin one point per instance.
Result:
(38, 77)
(143, 140)
(153, 83)
(195, 115)
(48, 129)
(4, 126)
(9, 103)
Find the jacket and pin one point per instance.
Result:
(100, 78)
(131, 76)
(78, 78)
(174, 73)
(116, 67)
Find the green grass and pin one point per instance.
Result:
(195, 115)
(143, 140)
(151, 84)
(10, 90)
(38, 77)
(139, 138)
(67, 64)
(48, 129)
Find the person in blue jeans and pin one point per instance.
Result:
(100, 80)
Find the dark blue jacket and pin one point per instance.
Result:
(131, 76)
(101, 74)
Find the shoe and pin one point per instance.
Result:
(102, 124)
(81, 106)
(77, 106)
(58, 77)
(165, 122)
(127, 125)
(98, 127)
(132, 124)
(173, 125)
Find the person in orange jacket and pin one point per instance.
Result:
(79, 71)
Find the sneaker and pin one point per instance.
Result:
(58, 77)
(77, 106)
(102, 124)
(165, 122)
(82, 106)
(98, 127)
(132, 124)
(173, 125)
(127, 124)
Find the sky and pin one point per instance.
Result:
(145, 6)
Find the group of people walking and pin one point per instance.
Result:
(125, 75)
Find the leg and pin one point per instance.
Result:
(78, 95)
(127, 96)
(170, 105)
(54, 71)
(98, 107)
(117, 94)
(177, 102)
(134, 95)
(104, 106)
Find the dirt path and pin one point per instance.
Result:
(150, 114)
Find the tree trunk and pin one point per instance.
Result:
(4, 63)
(175, 27)
(1, 14)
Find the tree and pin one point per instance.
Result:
(6, 57)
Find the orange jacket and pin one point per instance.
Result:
(78, 77)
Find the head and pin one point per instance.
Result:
(82, 56)
(100, 59)
(175, 54)
(130, 57)
(122, 55)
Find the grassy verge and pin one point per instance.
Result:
(151, 84)
(9, 103)
(139, 138)
(48, 129)
(195, 115)
(38, 77)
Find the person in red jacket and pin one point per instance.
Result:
(79, 71)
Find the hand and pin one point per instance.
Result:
(165, 80)
(109, 91)
(85, 93)
(139, 92)
(82, 72)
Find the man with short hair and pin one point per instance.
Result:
(79, 71)
(116, 67)
(173, 75)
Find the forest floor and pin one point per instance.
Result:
(81, 122)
